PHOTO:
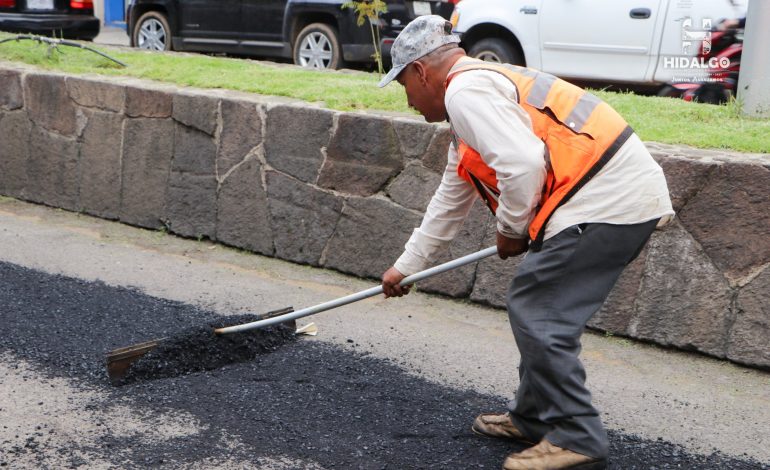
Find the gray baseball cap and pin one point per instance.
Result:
(422, 36)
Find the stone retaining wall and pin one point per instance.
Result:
(344, 191)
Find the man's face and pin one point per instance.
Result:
(423, 92)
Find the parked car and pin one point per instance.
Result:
(313, 33)
(69, 19)
(623, 41)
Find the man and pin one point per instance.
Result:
(570, 184)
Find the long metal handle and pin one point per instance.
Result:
(365, 294)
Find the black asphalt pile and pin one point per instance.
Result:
(199, 349)
(72, 324)
(307, 401)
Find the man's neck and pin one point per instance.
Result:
(450, 63)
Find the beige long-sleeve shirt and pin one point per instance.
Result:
(483, 109)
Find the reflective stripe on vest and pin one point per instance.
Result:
(581, 133)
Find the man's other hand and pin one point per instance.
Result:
(510, 246)
(390, 281)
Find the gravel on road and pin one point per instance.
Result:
(305, 400)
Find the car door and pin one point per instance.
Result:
(263, 22)
(209, 22)
(598, 39)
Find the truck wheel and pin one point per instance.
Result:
(496, 50)
(711, 93)
(152, 32)
(318, 47)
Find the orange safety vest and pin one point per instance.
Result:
(581, 133)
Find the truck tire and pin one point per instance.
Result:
(496, 50)
(152, 32)
(711, 93)
(318, 46)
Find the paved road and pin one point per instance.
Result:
(386, 384)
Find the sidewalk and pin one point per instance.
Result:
(112, 36)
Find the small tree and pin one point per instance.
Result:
(370, 10)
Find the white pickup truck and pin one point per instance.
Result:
(625, 41)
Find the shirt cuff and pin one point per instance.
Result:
(505, 230)
(408, 263)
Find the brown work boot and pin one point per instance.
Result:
(498, 425)
(546, 456)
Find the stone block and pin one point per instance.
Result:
(435, 157)
(728, 217)
(11, 94)
(100, 156)
(362, 156)
(241, 132)
(494, 275)
(684, 300)
(618, 310)
(53, 169)
(459, 282)
(414, 136)
(48, 103)
(302, 217)
(143, 102)
(369, 237)
(14, 152)
(97, 94)
(685, 177)
(414, 187)
(749, 338)
(147, 152)
(243, 216)
(191, 204)
(198, 111)
(295, 139)
(194, 152)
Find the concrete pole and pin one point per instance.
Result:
(754, 79)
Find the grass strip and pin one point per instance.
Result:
(657, 119)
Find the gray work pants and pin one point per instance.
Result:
(553, 294)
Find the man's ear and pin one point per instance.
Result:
(421, 71)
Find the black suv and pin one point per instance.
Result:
(70, 19)
(314, 33)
